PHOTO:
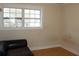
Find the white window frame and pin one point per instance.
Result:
(20, 28)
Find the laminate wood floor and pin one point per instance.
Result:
(58, 51)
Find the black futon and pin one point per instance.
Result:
(14, 48)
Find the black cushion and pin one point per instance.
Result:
(17, 43)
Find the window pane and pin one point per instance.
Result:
(32, 25)
(32, 11)
(6, 25)
(6, 20)
(37, 24)
(26, 15)
(12, 25)
(6, 9)
(37, 16)
(26, 11)
(12, 21)
(19, 20)
(18, 15)
(26, 20)
(12, 10)
(18, 24)
(6, 14)
(32, 16)
(12, 15)
(18, 10)
(37, 21)
(32, 20)
(26, 24)
(37, 11)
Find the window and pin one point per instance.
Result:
(17, 18)
(12, 17)
(31, 18)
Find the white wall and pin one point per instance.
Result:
(49, 35)
(71, 24)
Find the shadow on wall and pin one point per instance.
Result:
(68, 41)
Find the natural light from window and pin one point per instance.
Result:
(17, 18)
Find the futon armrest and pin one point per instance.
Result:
(16, 43)
(3, 49)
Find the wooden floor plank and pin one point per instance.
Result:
(58, 51)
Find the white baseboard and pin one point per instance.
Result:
(70, 49)
(45, 47)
